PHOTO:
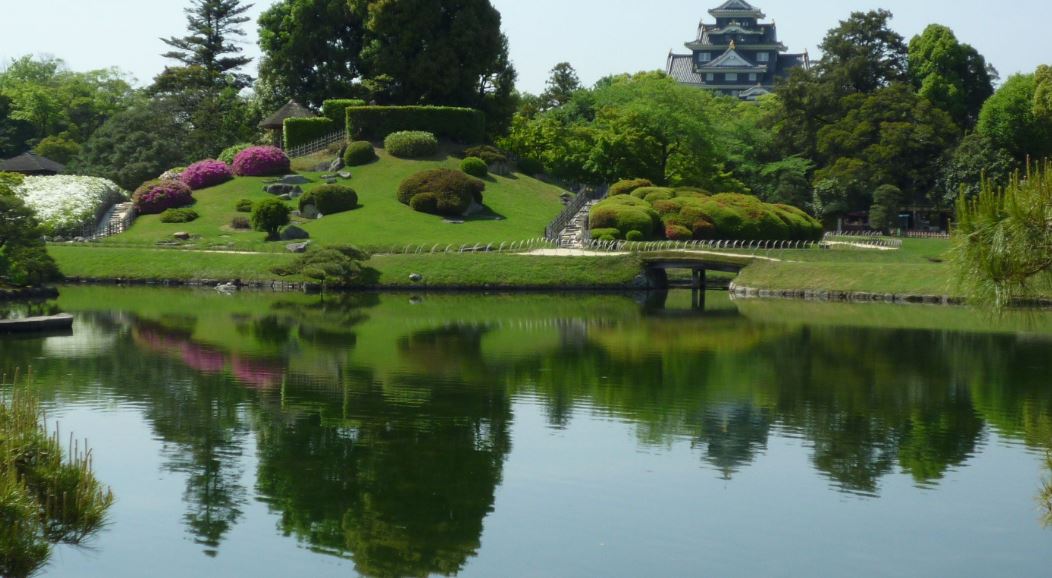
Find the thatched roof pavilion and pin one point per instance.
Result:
(31, 164)
(276, 121)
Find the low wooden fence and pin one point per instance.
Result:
(319, 145)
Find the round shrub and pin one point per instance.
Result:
(244, 206)
(154, 197)
(240, 223)
(628, 186)
(207, 173)
(425, 203)
(454, 191)
(358, 153)
(624, 216)
(411, 144)
(179, 216)
(474, 166)
(644, 192)
(262, 161)
(634, 236)
(270, 215)
(606, 234)
(230, 153)
(489, 154)
(330, 199)
(678, 233)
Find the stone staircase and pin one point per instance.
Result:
(116, 221)
(572, 236)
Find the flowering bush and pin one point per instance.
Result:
(67, 205)
(229, 153)
(204, 174)
(155, 197)
(261, 162)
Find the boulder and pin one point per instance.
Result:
(297, 247)
(182, 236)
(344, 174)
(283, 189)
(475, 208)
(416, 277)
(285, 197)
(294, 233)
(320, 167)
(336, 164)
(293, 180)
(309, 212)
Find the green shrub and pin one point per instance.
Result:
(489, 154)
(336, 108)
(301, 131)
(244, 206)
(634, 236)
(454, 191)
(474, 166)
(691, 192)
(644, 192)
(606, 234)
(425, 203)
(330, 199)
(528, 166)
(269, 216)
(622, 213)
(678, 233)
(411, 144)
(628, 186)
(240, 223)
(179, 216)
(358, 153)
(464, 125)
(228, 154)
(335, 266)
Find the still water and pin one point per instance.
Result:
(536, 435)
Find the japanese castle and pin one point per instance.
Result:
(737, 56)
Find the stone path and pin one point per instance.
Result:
(572, 237)
(116, 221)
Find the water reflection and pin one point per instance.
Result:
(382, 425)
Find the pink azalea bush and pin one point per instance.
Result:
(207, 173)
(154, 197)
(261, 162)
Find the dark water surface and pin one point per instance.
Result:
(503, 436)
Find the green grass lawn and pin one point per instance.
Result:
(525, 206)
(439, 271)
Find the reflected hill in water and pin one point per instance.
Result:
(381, 424)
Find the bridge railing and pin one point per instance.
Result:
(658, 246)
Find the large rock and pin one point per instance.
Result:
(336, 165)
(416, 277)
(283, 189)
(293, 180)
(294, 233)
(309, 212)
(344, 174)
(182, 236)
(297, 247)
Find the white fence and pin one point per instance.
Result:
(321, 144)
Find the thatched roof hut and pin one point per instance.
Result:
(31, 164)
(292, 109)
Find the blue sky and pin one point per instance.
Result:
(597, 37)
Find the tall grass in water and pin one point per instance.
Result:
(1003, 239)
(1046, 495)
(47, 495)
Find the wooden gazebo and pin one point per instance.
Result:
(31, 164)
(276, 122)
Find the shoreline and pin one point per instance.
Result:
(28, 293)
(834, 296)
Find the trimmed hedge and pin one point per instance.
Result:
(358, 153)
(330, 199)
(444, 191)
(336, 108)
(179, 216)
(475, 167)
(301, 131)
(628, 186)
(244, 206)
(489, 154)
(411, 144)
(465, 125)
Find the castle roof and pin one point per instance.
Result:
(740, 8)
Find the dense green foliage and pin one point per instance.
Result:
(48, 495)
(1003, 240)
(1017, 118)
(57, 149)
(489, 154)
(330, 199)
(685, 214)
(301, 131)
(441, 192)
(336, 108)
(975, 159)
(230, 153)
(475, 167)
(179, 216)
(334, 266)
(411, 144)
(23, 257)
(883, 214)
(211, 24)
(628, 186)
(952, 75)
(376, 122)
(244, 206)
(358, 153)
(269, 216)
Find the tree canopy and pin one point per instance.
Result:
(211, 24)
(1017, 117)
(952, 75)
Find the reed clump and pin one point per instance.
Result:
(48, 495)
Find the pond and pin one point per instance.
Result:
(550, 435)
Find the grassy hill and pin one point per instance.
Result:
(525, 206)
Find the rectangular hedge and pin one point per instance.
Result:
(464, 125)
(301, 131)
(336, 108)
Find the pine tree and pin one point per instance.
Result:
(211, 23)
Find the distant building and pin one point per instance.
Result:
(31, 164)
(737, 56)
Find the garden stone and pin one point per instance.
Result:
(79, 240)
(285, 197)
(309, 212)
(293, 233)
(344, 174)
(336, 164)
(474, 209)
(320, 167)
(453, 221)
(294, 180)
(182, 236)
(416, 277)
(297, 247)
(282, 189)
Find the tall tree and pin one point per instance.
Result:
(209, 45)
(863, 53)
(310, 51)
(561, 86)
(954, 76)
(1016, 119)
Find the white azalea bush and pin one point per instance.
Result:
(68, 205)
